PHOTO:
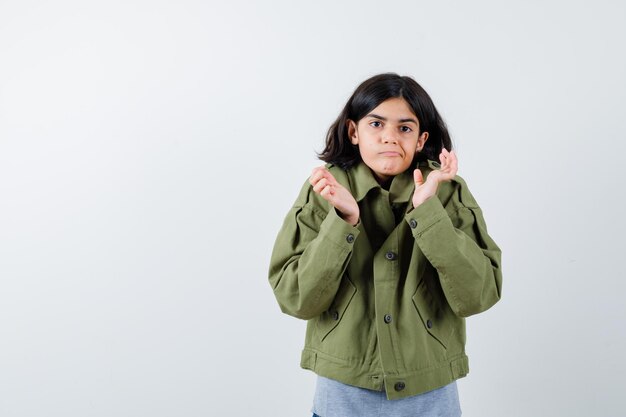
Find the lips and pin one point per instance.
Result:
(389, 153)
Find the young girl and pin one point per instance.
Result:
(385, 252)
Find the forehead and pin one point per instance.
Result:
(394, 109)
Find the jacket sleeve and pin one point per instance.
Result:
(466, 258)
(310, 255)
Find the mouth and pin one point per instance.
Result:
(389, 153)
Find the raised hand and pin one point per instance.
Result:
(336, 194)
(428, 188)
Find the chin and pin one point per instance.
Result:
(392, 170)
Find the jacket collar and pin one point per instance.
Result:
(362, 181)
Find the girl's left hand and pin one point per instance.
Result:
(447, 171)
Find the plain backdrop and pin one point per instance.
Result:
(149, 151)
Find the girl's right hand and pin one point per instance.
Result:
(336, 194)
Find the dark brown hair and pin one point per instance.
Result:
(373, 91)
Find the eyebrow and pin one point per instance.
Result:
(385, 119)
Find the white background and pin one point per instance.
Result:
(149, 151)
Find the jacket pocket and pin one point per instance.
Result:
(330, 319)
(433, 314)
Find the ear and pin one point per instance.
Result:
(421, 141)
(352, 132)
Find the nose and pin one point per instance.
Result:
(389, 136)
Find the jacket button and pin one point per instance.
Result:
(390, 255)
(335, 315)
(350, 238)
(412, 223)
(387, 318)
(429, 324)
(399, 386)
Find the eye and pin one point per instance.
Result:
(376, 123)
(405, 129)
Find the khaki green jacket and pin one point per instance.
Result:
(386, 300)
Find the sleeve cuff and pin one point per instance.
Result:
(425, 215)
(339, 231)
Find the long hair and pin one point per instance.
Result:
(373, 91)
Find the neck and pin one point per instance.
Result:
(385, 182)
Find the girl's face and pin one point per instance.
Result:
(388, 138)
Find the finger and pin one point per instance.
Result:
(447, 158)
(316, 175)
(418, 179)
(451, 155)
(313, 177)
(315, 172)
(454, 163)
(442, 161)
(331, 179)
(327, 192)
(320, 168)
(451, 167)
(320, 185)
